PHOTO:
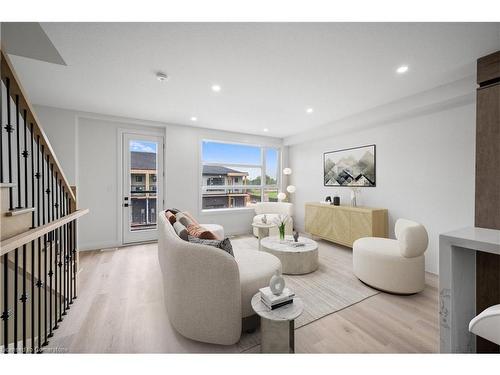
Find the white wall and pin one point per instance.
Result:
(60, 127)
(87, 146)
(425, 169)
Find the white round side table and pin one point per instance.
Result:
(262, 230)
(277, 327)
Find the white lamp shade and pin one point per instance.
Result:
(287, 171)
(291, 189)
(281, 196)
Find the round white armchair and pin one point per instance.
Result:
(272, 210)
(396, 266)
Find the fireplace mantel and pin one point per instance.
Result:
(457, 284)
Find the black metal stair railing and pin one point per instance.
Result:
(38, 276)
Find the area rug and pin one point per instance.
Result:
(331, 288)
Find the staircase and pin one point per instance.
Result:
(38, 227)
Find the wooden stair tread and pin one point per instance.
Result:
(20, 211)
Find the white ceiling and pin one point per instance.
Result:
(269, 72)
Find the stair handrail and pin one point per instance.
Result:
(15, 242)
(7, 71)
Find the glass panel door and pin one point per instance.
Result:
(142, 187)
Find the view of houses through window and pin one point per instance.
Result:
(143, 174)
(236, 175)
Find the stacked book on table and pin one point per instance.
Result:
(273, 301)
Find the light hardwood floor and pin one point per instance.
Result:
(120, 310)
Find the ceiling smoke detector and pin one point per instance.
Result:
(162, 77)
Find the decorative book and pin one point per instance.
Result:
(277, 305)
(271, 299)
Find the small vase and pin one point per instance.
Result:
(353, 199)
(296, 236)
(277, 283)
(264, 219)
(282, 232)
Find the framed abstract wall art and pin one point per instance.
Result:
(350, 167)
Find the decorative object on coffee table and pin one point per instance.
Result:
(277, 283)
(264, 219)
(296, 236)
(281, 222)
(277, 328)
(296, 258)
(262, 230)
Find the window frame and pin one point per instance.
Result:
(262, 187)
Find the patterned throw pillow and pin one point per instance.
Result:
(198, 231)
(170, 217)
(181, 230)
(191, 217)
(225, 244)
(184, 219)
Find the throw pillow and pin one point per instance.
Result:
(184, 219)
(198, 231)
(181, 230)
(225, 244)
(170, 217)
(191, 217)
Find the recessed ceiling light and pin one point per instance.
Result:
(310, 110)
(216, 88)
(194, 118)
(402, 69)
(265, 130)
(162, 77)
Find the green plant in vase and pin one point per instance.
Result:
(281, 222)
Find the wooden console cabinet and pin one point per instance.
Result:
(345, 224)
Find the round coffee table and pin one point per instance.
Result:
(295, 260)
(277, 327)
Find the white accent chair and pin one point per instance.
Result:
(396, 266)
(272, 210)
(207, 291)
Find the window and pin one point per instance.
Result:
(215, 181)
(236, 175)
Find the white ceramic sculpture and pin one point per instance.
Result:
(277, 283)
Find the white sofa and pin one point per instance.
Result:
(272, 210)
(396, 266)
(207, 291)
